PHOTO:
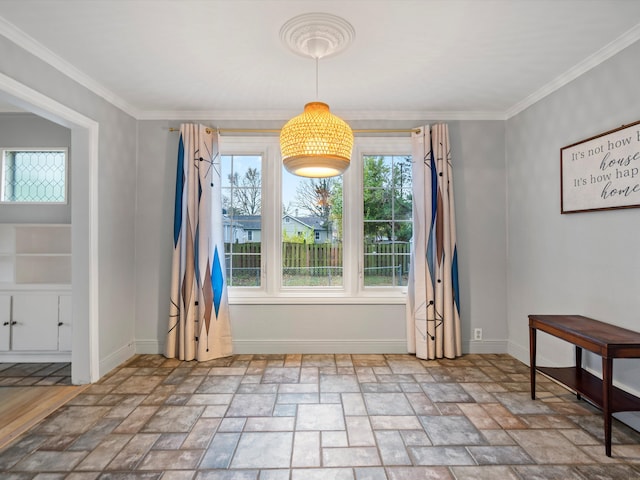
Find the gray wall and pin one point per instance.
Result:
(30, 131)
(583, 263)
(479, 172)
(116, 192)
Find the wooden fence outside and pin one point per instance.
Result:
(316, 258)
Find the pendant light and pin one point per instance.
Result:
(316, 143)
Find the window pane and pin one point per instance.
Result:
(387, 226)
(242, 206)
(34, 176)
(311, 231)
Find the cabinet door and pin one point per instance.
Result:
(64, 323)
(5, 319)
(35, 321)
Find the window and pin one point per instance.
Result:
(346, 238)
(316, 205)
(34, 175)
(387, 221)
(242, 218)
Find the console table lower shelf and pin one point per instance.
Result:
(590, 386)
(607, 341)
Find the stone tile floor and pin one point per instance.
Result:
(322, 417)
(27, 374)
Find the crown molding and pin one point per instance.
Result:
(284, 115)
(623, 41)
(34, 47)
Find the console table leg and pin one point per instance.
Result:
(532, 360)
(607, 374)
(578, 366)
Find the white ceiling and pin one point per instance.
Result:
(410, 58)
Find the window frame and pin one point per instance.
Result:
(64, 150)
(353, 290)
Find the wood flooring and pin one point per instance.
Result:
(23, 407)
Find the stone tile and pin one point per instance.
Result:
(72, 420)
(353, 404)
(179, 475)
(322, 474)
(251, 405)
(281, 375)
(173, 419)
(228, 475)
(478, 416)
(335, 439)
(232, 424)
(283, 410)
(263, 450)
(359, 432)
(607, 472)
(498, 437)
(451, 430)
(220, 384)
(129, 457)
(422, 473)
(298, 388)
(421, 404)
(370, 473)
(503, 417)
(380, 387)
(101, 456)
(484, 473)
(387, 404)
(258, 388)
(138, 384)
(396, 422)
(521, 403)
(495, 455)
(278, 474)
(330, 397)
(269, 424)
(210, 399)
(50, 461)
(320, 417)
(309, 375)
(296, 398)
(440, 456)
(220, 451)
(339, 383)
(415, 438)
(547, 472)
(350, 457)
(549, 447)
(306, 450)
(392, 449)
(446, 392)
(171, 459)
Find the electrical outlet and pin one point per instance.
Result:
(477, 334)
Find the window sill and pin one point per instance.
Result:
(300, 298)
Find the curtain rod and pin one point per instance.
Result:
(222, 131)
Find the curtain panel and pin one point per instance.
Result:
(433, 307)
(199, 327)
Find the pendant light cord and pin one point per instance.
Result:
(317, 78)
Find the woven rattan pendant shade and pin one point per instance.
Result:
(316, 143)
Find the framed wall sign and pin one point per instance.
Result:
(601, 172)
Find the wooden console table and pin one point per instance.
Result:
(606, 340)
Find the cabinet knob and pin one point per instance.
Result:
(5, 323)
(60, 324)
(14, 323)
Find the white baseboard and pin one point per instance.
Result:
(35, 357)
(116, 358)
(485, 346)
(329, 346)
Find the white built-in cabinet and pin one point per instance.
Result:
(35, 292)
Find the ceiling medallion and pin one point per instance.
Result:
(317, 35)
(316, 143)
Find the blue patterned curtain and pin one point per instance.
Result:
(199, 325)
(433, 306)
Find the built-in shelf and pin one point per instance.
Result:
(35, 254)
